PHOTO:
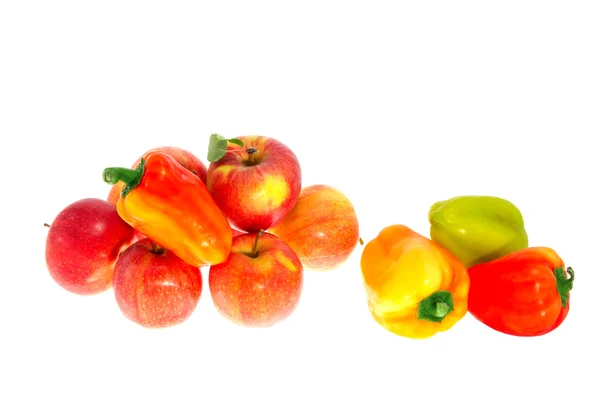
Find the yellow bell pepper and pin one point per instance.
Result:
(415, 287)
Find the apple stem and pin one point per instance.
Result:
(46, 225)
(251, 152)
(156, 249)
(255, 247)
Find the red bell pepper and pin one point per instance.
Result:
(525, 293)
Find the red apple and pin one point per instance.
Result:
(153, 287)
(322, 228)
(260, 283)
(83, 245)
(235, 232)
(188, 160)
(257, 184)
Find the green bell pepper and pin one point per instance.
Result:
(477, 229)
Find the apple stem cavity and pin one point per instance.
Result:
(130, 177)
(156, 249)
(254, 253)
(251, 155)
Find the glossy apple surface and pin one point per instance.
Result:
(260, 283)
(154, 288)
(187, 159)
(83, 244)
(256, 185)
(322, 228)
(235, 232)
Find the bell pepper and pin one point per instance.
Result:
(477, 229)
(172, 207)
(415, 288)
(526, 293)
(186, 158)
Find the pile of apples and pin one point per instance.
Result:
(279, 228)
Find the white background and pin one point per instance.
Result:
(397, 104)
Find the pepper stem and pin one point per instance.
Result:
(436, 306)
(564, 284)
(254, 253)
(130, 177)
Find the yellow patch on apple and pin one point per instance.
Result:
(224, 170)
(272, 192)
(286, 262)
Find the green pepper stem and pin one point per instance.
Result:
(130, 177)
(564, 284)
(436, 306)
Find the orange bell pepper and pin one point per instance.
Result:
(415, 287)
(172, 207)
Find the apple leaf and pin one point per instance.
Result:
(217, 146)
(236, 141)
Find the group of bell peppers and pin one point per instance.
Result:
(477, 260)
